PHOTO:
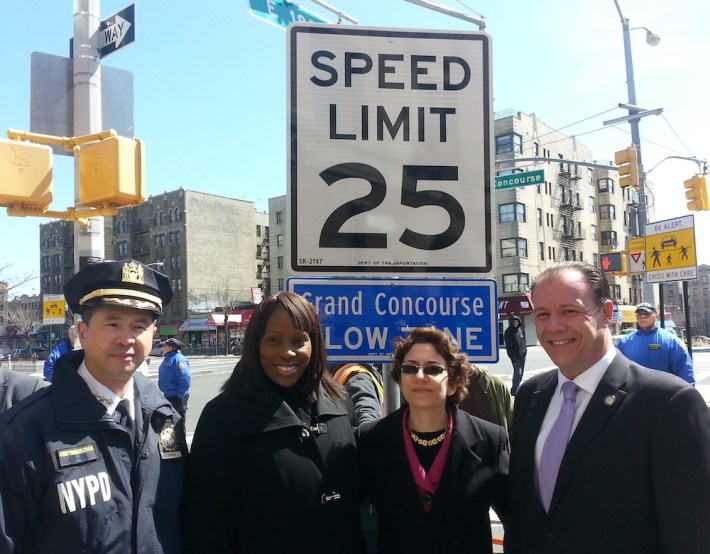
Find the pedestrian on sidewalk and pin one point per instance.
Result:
(654, 347)
(516, 348)
(174, 375)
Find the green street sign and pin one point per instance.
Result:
(520, 179)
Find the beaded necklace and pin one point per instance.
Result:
(424, 442)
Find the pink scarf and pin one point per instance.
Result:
(427, 483)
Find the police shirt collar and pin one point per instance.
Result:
(105, 395)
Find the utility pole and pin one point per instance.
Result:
(88, 239)
(634, 118)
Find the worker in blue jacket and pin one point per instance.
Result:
(67, 345)
(656, 348)
(174, 376)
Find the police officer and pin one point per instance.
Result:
(94, 463)
(174, 376)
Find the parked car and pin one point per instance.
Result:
(30, 354)
(157, 349)
(701, 340)
(616, 338)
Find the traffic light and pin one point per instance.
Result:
(25, 175)
(627, 160)
(696, 193)
(111, 171)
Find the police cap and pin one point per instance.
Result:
(125, 283)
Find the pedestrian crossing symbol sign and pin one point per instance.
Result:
(670, 250)
(53, 309)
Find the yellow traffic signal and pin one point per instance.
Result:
(627, 160)
(111, 172)
(25, 175)
(696, 193)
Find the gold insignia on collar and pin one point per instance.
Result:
(132, 273)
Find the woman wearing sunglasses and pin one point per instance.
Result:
(433, 470)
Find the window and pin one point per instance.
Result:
(509, 143)
(605, 185)
(175, 262)
(156, 218)
(542, 250)
(279, 242)
(615, 291)
(516, 282)
(511, 212)
(594, 232)
(514, 247)
(590, 177)
(122, 248)
(161, 217)
(591, 204)
(279, 218)
(177, 284)
(159, 241)
(281, 284)
(258, 230)
(539, 217)
(280, 262)
(171, 216)
(607, 211)
(174, 237)
(258, 251)
(609, 238)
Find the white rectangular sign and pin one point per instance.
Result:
(390, 151)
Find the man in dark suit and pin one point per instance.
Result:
(634, 475)
(16, 386)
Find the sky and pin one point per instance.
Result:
(210, 89)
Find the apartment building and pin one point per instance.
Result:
(212, 248)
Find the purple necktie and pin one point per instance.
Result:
(556, 444)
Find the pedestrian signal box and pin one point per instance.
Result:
(25, 175)
(613, 262)
(111, 172)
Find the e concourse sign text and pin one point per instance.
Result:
(362, 317)
(389, 151)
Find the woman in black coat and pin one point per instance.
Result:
(273, 466)
(433, 470)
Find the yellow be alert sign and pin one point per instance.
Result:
(53, 309)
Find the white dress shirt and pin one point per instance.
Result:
(587, 382)
(105, 395)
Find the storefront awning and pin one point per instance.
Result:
(628, 313)
(236, 318)
(515, 305)
(196, 325)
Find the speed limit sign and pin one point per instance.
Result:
(390, 159)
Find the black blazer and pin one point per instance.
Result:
(16, 386)
(635, 476)
(474, 478)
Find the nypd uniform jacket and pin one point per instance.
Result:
(66, 481)
(174, 375)
(262, 481)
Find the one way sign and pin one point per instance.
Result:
(117, 31)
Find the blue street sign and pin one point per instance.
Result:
(117, 31)
(282, 12)
(362, 317)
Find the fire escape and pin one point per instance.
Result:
(567, 199)
(264, 266)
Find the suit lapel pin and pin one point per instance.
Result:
(609, 400)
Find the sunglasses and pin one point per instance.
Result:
(410, 369)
